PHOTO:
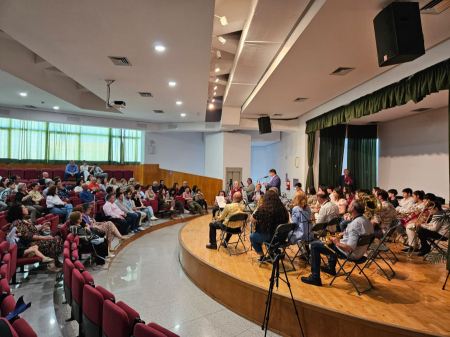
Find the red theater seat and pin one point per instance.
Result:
(59, 173)
(4, 172)
(31, 173)
(93, 299)
(152, 330)
(17, 172)
(128, 174)
(118, 174)
(49, 171)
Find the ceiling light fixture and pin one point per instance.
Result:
(221, 39)
(213, 100)
(223, 20)
(217, 69)
(183, 114)
(219, 55)
(217, 80)
(214, 93)
(23, 94)
(172, 84)
(114, 104)
(179, 102)
(160, 48)
(215, 87)
(56, 107)
(211, 106)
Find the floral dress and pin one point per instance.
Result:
(51, 248)
(107, 226)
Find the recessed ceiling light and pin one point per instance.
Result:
(223, 20)
(23, 94)
(56, 107)
(214, 93)
(300, 99)
(172, 84)
(222, 40)
(211, 106)
(215, 87)
(217, 80)
(183, 114)
(217, 69)
(179, 102)
(213, 100)
(160, 48)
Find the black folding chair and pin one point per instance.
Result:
(365, 240)
(270, 246)
(234, 231)
(331, 223)
(303, 246)
(438, 246)
(375, 250)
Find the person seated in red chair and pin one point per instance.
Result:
(182, 188)
(86, 195)
(71, 171)
(16, 180)
(63, 193)
(4, 196)
(93, 186)
(235, 189)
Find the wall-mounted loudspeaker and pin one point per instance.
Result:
(398, 33)
(264, 125)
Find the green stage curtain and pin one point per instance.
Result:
(26, 141)
(415, 88)
(331, 153)
(362, 155)
(311, 146)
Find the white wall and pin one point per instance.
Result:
(177, 151)
(259, 163)
(414, 153)
(237, 153)
(214, 155)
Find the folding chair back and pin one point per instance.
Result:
(234, 231)
(238, 217)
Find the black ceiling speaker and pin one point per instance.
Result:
(398, 33)
(264, 125)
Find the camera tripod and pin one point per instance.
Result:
(274, 278)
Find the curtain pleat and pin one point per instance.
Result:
(52, 143)
(311, 146)
(362, 155)
(415, 88)
(331, 153)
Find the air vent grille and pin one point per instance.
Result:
(277, 115)
(146, 94)
(435, 7)
(421, 109)
(141, 125)
(300, 99)
(342, 71)
(172, 126)
(120, 61)
(30, 107)
(210, 126)
(158, 111)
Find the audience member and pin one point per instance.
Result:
(348, 194)
(254, 197)
(3, 183)
(29, 235)
(161, 185)
(176, 187)
(49, 183)
(199, 198)
(176, 203)
(103, 183)
(111, 210)
(78, 184)
(26, 199)
(93, 186)
(182, 188)
(312, 200)
(406, 203)
(250, 187)
(375, 191)
(123, 183)
(164, 204)
(329, 191)
(301, 215)
(149, 193)
(129, 212)
(434, 228)
(138, 190)
(62, 192)
(155, 188)
(85, 236)
(141, 214)
(383, 219)
(113, 183)
(98, 172)
(268, 217)
(392, 197)
(71, 171)
(84, 170)
(298, 187)
(44, 177)
(193, 205)
(16, 180)
(148, 210)
(328, 210)
(35, 194)
(4, 196)
(222, 222)
(106, 226)
(342, 247)
(340, 200)
(85, 195)
(56, 205)
(132, 182)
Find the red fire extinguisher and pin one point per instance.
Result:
(288, 185)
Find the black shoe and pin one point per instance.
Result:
(264, 259)
(211, 246)
(423, 253)
(313, 281)
(327, 270)
(409, 250)
(224, 244)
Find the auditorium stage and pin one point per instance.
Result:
(411, 304)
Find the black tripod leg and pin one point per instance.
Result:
(269, 301)
(292, 297)
(443, 288)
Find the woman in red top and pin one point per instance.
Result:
(235, 189)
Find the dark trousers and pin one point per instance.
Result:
(123, 225)
(423, 234)
(378, 232)
(213, 226)
(134, 220)
(179, 206)
(67, 175)
(101, 251)
(215, 209)
(317, 248)
(203, 203)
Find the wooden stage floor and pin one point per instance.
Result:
(411, 304)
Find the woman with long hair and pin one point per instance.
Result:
(149, 194)
(136, 202)
(78, 184)
(301, 215)
(348, 194)
(176, 203)
(48, 247)
(163, 204)
(312, 200)
(340, 200)
(199, 197)
(56, 205)
(3, 183)
(268, 216)
(24, 198)
(113, 183)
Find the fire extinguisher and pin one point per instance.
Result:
(288, 185)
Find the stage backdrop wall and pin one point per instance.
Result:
(180, 151)
(414, 153)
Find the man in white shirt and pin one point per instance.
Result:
(407, 202)
(328, 210)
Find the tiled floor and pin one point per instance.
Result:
(147, 276)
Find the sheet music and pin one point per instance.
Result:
(221, 201)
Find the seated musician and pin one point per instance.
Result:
(216, 207)
(222, 222)
(433, 228)
(419, 215)
(382, 220)
(312, 200)
(301, 215)
(392, 193)
(254, 197)
(340, 200)
(235, 189)
(406, 203)
(328, 210)
(342, 247)
(268, 216)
